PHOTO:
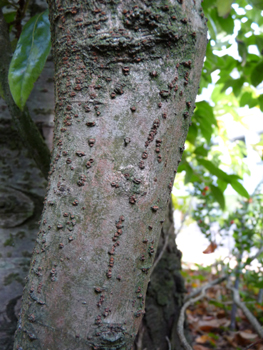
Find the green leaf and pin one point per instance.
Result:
(214, 170)
(257, 74)
(211, 27)
(29, 57)
(242, 50)
(192, 134)
(201, 151)
(260, 100)
(245, 99)
(259, 43)
(223, 7)
(227, 24)
(10, 16)
(4, 3)
(189, 173)
(240, 189)
(205, 110)
(256, 3)
(218, 195)
(222, 185)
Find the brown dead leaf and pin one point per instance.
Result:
(204, 339)
(221, 314)
(207, 326)
(259, 306)
(200, 347)
(211, 248)
(230, 340)
(245, 337)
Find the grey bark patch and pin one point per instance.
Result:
(15, 207)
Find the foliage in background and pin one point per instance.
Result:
(207, 140)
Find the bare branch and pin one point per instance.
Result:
(253, 321)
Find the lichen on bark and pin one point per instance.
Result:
(126, 77)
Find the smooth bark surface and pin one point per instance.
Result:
(126, 77)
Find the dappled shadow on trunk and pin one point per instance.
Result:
(164, 297)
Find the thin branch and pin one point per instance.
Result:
(162, 251)
(255, 343)
(190, 299)
(169, 343)
(180, 324)
(25, 126)
(208, 285)
(251, 318)
(184, 218)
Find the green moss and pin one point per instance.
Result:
(20, 234)
(26, 254)
(10, 241)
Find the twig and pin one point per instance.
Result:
(169, 343)
(140, 337)
(191, 300)
(183, 220)
(251, 318)
(255, 343)
(162, 251)
(180, 324)
(208, 285)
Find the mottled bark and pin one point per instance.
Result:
(126, 78)
(164, 297)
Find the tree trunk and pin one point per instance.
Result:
(164, 297)
(126, 78)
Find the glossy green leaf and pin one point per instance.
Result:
(240, 189)
(218, 195)
(224, 7)
(257, 74)
(29, 57)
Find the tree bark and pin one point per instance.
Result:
(126, 77)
